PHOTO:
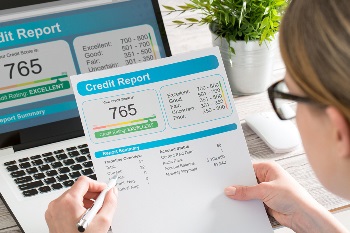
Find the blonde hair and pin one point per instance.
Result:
(315, 46)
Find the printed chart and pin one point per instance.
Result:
(123, 116)
(116, 48)
(195, 101)
(181, 145)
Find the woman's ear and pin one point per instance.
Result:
(340, 131)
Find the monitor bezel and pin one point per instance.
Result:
(11, 4)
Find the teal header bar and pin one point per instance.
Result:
(147, 76)
(74, 23)
(167, 141)
(38, 112)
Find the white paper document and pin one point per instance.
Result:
(170, 130)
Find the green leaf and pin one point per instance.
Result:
(234, 34)
(169, 8)
(184, 8)
(254, 35)
(235, 19)
(249, 29)
(280, 3)
(207, 19)
(264, 23)
(263, 36)
(178, 22)
(227, 18)
(193, 20)
(242, 13)
(232, 50)
(191, 6)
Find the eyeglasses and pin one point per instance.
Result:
(285, 103)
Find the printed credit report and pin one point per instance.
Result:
(170, 131)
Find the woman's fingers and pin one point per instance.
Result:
(92, 195)
(244, 193)
(110, 203)
(84, 185)
(106, 213)
(87, 203)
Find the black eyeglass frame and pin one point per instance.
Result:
(274, 93)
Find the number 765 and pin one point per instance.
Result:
(124, 111)
(23, 68)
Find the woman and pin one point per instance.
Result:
(315, 46)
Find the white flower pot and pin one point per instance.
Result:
(249, 70)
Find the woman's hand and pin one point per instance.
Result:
(289, 203)
(64, 213)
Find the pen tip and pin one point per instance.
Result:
(115, 177)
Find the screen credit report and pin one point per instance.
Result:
(37, 56)
(170, 131)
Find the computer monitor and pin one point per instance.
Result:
(43, 42)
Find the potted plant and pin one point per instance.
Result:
(245, 31)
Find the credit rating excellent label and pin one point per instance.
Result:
(34, 91)
(34, 73)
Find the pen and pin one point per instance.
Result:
(92, 211)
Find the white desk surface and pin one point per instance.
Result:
(184, 40)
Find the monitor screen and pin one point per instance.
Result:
(39, 53)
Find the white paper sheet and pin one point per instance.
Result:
(170, 130)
